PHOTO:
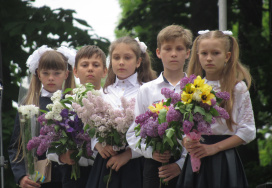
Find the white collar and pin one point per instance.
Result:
(133, 79)
(162, 79)
(45, 93)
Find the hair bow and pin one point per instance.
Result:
(142, 45)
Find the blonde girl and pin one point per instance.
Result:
(215, 56)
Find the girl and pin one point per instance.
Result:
(129, 68)
(215, 54)
(50, 69)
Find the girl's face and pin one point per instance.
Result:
(52, 80)
(90, 70)
(213, 56)
(124, 61)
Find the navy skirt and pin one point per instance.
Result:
(130, 175)
(222, 170)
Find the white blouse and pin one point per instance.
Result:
(148, 94)
(242, 114)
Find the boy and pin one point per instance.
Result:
(173, 44)
(90, 67)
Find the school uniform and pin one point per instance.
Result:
(224, 169)
(130, 174)
(148, 94)
(18, 167)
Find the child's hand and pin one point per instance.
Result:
(189, 144)
(65, 158)
(25, 182)
(106, 151)
(117, 161)
(161, 157)
(169, 171)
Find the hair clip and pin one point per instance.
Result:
(227, 32)
(142, 45)
(201, 32)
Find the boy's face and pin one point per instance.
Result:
(90, 70)
(173, 54)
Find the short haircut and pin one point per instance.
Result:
(88, 51)
(173, 32)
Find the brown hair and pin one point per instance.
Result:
(173, 32)
(145, 71)
(233, 72)
(88, 51)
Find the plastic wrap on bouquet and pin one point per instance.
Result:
(195, 161)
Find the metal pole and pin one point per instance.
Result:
(2, 158)
(222, 19)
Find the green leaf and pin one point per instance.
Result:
(137, 130)
(199, 110)
(43, 111)
(138, 145)
(169, 132)
(116, 137)
(64, 133)
(63, 140)
(208, 117)
(158, 146)
(91, 132)
(214, 112)
(56, 127)
(162, 116)
(67, 90)
(168, 102)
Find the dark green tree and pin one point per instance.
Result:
(23, 28)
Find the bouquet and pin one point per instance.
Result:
(62, 129)
(107, 124)
(199, 106)
(28, 123)
(160, 128)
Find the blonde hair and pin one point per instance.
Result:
(234, 71)
(145, 71)
(88, 51)
(173, 32)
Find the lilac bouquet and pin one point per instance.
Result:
(102, 121)
(160, 128)
(62, 130)
(199, 106)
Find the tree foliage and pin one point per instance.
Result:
(248, 19)
(23, 28)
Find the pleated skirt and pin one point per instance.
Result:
(222, 170)
(129, 176)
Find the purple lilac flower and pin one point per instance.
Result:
(183, 82)
(33, 143)
(192, 78)
(161, 128)
(223, 95)
(141, 119)
(175, 98)
(89, 149)
(205, 106)
(203, 127)
(41, 119)
(223, 113)
(173, 115)
(152, 128)
(44, 145)
(187, 126)
(46, 129)
(167, 92)
(213, 101)
(143, 131)
(198, 117)
(64, 113)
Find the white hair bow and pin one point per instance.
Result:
(142, 45)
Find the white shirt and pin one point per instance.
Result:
(242, 114)
(148, 94)
(127, 88)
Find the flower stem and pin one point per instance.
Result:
(108, 182)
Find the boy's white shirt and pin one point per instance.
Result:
(127, 88)
(148, 94)
(54, 157)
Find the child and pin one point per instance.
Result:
(90, 67)
(215, 54)
(129, 67)
(173, 49)
(50, 69)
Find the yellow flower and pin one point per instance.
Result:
(206, 95)
(190, 88)
(186, 97)
(158, 106)
(198, 82)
